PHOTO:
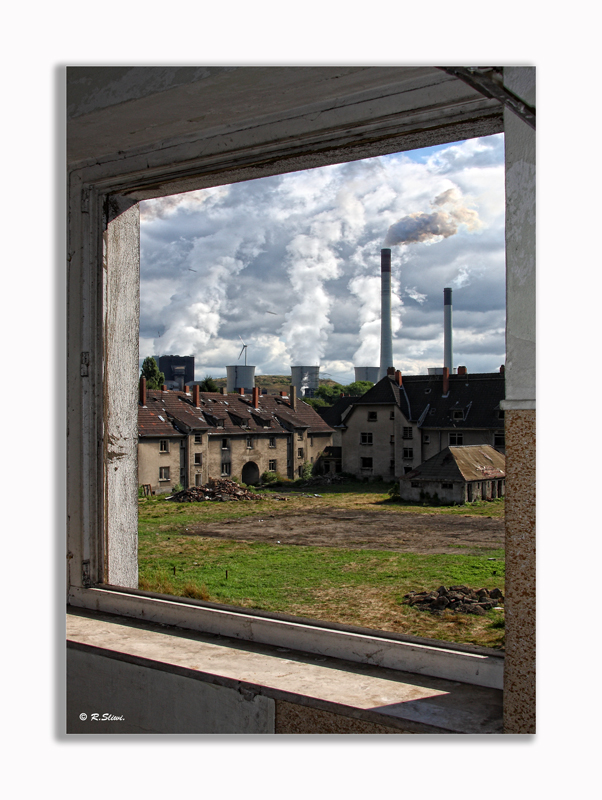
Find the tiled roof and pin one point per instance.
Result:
(234, 413)
(478, 462)
(420, 398)
(151, 422)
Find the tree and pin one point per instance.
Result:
(208, 384)
(150, 371)
(358, 388)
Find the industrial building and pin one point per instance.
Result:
(178, 370)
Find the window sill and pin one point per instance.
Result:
(266, 676)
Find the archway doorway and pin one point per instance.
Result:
(250, 473)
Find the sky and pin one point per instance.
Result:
(290, 265)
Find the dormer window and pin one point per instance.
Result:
(458, 413)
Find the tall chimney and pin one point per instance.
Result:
(293, 397)
(196, 395)
(142, 391)
(445, 380)
(386, 334)
(447, 331)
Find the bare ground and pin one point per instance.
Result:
(379, 529)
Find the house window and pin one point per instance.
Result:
(408, 452)
(225, 444)
(300, 436)
(408, 433)
(163, 473)
(456, 438)
(392, 439)
(300, 471)
(372, 416)
(366, 464)
(198, 438)
(272, 442)
(226, 468)
(392, 415)
(447, 486)
(392, 465)
(458, 413)
(300, 452)
(365, 438)
(426, 439)
(499, 440)
(311, 441)
(220, 423)
(198, 459)
(198, 479)
(272, 465)
(250, 442)
(164, 446)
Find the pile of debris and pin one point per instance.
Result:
(216, 489)
(456, 598)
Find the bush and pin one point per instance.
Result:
(269, 477)
(177, 488)
(307, 470)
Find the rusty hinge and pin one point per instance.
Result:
(84, 364)
(86, 582)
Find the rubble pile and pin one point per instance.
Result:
(456, 598)
(216, 489)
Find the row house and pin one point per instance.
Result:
(187, 437)
(403, 421)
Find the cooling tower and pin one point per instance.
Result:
(306, 380)
(367, 374)
(240, 377)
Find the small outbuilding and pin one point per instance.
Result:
(457, 475)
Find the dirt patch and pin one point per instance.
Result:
(377, 530)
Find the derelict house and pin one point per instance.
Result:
(190, 437)
(457, 475)
(405, 420)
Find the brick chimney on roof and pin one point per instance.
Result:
(462, 371)
(163, 387)
(142, 392)
(398, 377)
(293, 397)
(241, 390)
(187, 389)
(445, 380)
(196, 395)
(256, 397)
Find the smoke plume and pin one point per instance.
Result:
(443, 222)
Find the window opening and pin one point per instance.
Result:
(248, 286)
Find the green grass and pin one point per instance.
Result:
(357, 587)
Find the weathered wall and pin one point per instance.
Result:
(150, 459)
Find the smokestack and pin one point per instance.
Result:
(256, 397)
(447, 330)
(196, 395)
(445, 380)
(142, 392)
(293, 397)
(386, 334)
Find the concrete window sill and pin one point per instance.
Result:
(163, 679)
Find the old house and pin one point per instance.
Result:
(457, 475)
(403, 421)
(191, 436)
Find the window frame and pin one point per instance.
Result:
(100, 191)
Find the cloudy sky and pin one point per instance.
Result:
(291, 265)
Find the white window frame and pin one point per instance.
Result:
(104, 231)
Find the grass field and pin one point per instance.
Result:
(358, 587)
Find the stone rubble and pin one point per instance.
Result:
(217, 490)
(456, 598)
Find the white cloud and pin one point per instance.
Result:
(292, 263)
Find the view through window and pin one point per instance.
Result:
(309, 501)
